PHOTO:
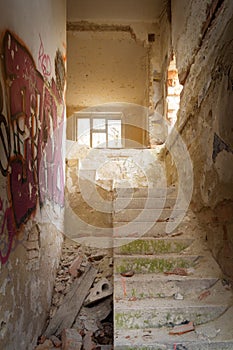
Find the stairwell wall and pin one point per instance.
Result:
(202, 40)
(32, 129)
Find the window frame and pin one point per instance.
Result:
(99, 115)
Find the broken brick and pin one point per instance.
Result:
(204, 295)
(56, 341)
(75, 266)
(71, 340)
(181, 329)
(88, 343)
(47, 345)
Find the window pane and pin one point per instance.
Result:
(99, 139)
(99, 124)
(84, 131)
(114, 134)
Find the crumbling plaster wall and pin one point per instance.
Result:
(157, 120)
(32, 130)
(109, 62)
(203, 44)
(113, 61)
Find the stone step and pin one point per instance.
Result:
(210, 336)
(139, 192)
(149, 246)
(157, 313)
(141, 203)
(169, 345)
(136, 229)
(153, 264)
(147, 215)
(160, 286)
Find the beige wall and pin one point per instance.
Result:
(106, 67)
(32, 86)
(113, 62)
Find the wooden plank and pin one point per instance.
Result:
(72, 303)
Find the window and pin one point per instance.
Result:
(99, 129)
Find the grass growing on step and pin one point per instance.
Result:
(158, 265)
(141, 246)
(127, 320)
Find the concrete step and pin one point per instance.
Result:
(210, 336)
(149, 246)
(149, 229)
(139, 192)
(152, 264)
(147, 215)
(157, 313)
(141, 203)
(160, 286)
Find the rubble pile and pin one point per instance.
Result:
(81, 313)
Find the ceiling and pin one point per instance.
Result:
(117, 10)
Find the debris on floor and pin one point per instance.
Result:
(127, 273)
(183, 328)
(204, 295)
(81, 313)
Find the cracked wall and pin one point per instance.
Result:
(203, 43)
(32, 129)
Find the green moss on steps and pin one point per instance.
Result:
(152, 246)
(148, 265)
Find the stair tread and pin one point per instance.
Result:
(204, 335)
(163, 278)
(165, 304)
(160, 255)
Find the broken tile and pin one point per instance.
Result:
(127, 273)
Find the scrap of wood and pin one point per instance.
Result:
(181, 329)
(72, 303)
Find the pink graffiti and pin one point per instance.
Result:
(31, 141)
(44, 61)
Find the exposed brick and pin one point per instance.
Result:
(33, 254)
(32, 245)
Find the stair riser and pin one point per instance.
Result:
(127, 288)
(141, 203)
(147, 229)
(170, 346)
(159, 317)
(149, 265)
(145, 192)
(144, 215)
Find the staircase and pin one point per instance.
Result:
(169, 292)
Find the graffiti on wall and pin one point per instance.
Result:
(44, 61)
(31, 136)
